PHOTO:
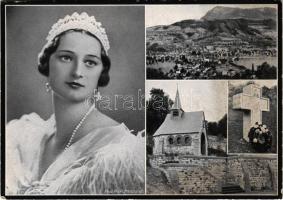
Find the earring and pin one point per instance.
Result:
(47, 87)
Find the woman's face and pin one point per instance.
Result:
(75, 67)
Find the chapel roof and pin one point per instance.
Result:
(189, 122)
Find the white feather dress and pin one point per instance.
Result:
(106, 161)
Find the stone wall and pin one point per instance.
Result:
(204, 174)
(197, 181)
(162, 146)
(215, 143)
(205, 161)
(257, 173)
(235, 173)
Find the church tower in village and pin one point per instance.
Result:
(181, 133)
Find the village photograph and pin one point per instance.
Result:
(186, 124)
(252, 116)
(211, 41)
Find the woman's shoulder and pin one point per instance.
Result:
(29, 124)
(123, 146)
(23, 144)
(117, 138)
(32, 118)
(121, 143)
(104, 120)
(120, 130)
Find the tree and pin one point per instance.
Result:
(218, 128)
(212, 128)
(222, 127)
(157, 108)
(265, 71)
(152, 73)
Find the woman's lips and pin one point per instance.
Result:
(74, 85)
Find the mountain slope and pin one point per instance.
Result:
(220, 12)
(256, 27)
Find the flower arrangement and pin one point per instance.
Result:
(260, 137)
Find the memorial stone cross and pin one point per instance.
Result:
(252, 103)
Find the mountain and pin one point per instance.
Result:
(256, 27)
(220, 12)
(229, 26)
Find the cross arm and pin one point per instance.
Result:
(238, 101)
(264, 104)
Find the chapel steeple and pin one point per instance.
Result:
(176, 109)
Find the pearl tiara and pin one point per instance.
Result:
(82, 22)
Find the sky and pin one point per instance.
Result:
(168, 14)
(205, 95)
(261, 83)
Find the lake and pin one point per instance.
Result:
(166, 66)
(247, 62)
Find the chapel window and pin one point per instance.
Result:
(170, 140)
(188, 140)
(179, 139)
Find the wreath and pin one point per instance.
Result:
(260, 137)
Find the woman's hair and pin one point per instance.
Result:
(49, 49)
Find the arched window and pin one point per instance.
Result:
(188, 140)
(170, 140)
(179, 140)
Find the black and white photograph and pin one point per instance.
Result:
(187, 150)
(186, 124)
(211, 41)
(142, 99)
(252, 134)
(75, 100)
(252, 116)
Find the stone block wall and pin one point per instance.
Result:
(235, 173)
(205, 174)
(273, 164)
(162, 146)
(194, 174)
(158, 145)
(217, 167)
(197, 181)
(260, 173)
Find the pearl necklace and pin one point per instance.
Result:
(78, 126)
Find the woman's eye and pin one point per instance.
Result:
(90, 63)
(66, 58)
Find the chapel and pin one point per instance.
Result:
(181, 133)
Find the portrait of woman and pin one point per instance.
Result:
(71, 143)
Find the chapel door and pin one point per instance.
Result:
(202, 144)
